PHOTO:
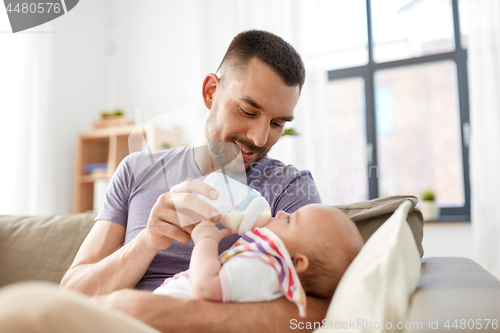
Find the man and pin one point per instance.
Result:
(138, 239)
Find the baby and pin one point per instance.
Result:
(294, 254)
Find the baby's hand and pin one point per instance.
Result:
(208, 229)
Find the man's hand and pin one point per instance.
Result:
(132, 302)
(208, 229)
(164, 313)
(174, 213)
(104, 264)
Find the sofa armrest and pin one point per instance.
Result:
(455, 288)
(40, 247)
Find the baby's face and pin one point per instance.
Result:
(299, 230)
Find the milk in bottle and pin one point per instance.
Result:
(242, 207)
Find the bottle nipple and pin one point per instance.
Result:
(255, 216)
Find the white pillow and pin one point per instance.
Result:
(374, 293)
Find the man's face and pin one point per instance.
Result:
(250, 109)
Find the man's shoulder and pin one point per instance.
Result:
(145, 163)
(157, 155)
(146, 158)
(271, 168)
(285, 187)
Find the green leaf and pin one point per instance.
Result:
(290, 131)
(428, 195)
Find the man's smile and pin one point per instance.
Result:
(246, 153)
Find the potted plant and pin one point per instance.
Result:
(111, 119)
(428, 206)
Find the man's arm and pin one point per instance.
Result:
(101, 256)
(102, 266)
(169, 314)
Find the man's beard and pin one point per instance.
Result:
(224, 150)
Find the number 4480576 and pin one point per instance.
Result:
(34, 8)
(472, 324)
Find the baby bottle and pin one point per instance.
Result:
(242, 208)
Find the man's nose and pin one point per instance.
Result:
(259, 133)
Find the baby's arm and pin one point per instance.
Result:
(205, 265)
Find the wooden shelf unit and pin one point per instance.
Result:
(110, 145)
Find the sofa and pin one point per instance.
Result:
(453, 290)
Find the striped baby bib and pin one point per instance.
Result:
(264, 244)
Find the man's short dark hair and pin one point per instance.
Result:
(279, 55)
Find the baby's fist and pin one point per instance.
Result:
(208, 229)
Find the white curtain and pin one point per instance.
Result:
(484, 87)
(23, 64)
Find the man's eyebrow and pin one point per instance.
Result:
(284, 118)
(249, 100)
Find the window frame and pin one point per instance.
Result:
(367, 72)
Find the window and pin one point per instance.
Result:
(398, 98)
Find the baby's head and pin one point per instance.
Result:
(322, 242)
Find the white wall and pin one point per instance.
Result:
(156, 56)
(79, 82)
(451, 239)
(448, 239)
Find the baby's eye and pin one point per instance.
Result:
(286, 220)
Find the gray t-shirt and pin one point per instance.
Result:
(142, 177)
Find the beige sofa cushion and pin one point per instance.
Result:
(369, 216)
(40, 247)
(378, 284)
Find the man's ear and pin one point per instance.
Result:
(300, 262)
(210, 85)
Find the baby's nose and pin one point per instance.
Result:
(281, 214)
